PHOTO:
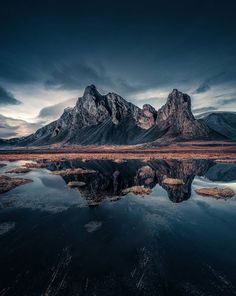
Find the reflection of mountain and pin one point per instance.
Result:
(222, 172)
(185, 170)
(111, 178)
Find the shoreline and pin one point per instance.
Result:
(214, 150)
(117, 155)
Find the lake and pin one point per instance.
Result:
(101, 239)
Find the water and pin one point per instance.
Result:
(97, 241)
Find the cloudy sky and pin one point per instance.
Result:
(51, 50)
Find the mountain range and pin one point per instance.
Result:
(110, 119)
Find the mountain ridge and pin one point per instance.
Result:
(110, 119)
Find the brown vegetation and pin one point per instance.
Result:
(137, 190)
(8, 183)
(18, 171)
(214, 150)
(76, 171)
(73, 184)
(217, 192)
(35, 165)
(172, 181)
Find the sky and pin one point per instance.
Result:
(51, 50)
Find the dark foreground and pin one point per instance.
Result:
(98, 239)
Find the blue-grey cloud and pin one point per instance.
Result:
(155, 46)
(204, 110)
(6, 98)
(228, 101)
(75, 76)
(54, 111)
(204, 87)
(79, 75)
(12, 127)
(217, 80)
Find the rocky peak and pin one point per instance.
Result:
(177, 104)
(94, 108)
(91, 90)
(147, 116)
(176, 116)
(149, 110)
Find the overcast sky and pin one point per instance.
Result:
(51, 50)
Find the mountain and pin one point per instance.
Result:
(110, 119)
(223, 123)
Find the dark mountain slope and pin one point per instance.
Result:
(223, 123)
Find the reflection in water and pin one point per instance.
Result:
(111, 178)
(52, 243)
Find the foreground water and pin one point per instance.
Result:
(94, 240)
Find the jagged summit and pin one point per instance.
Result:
(110, 119)
(91, 90)
(176, 115)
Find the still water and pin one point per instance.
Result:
(96, 240)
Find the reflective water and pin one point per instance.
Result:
(97, 240)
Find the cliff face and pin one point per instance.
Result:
(109, 119)
(176, 116)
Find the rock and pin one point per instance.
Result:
(2, 165)
(76, 184)
(137, 190)
(217, 192)
(7, 183)
(77, 171)
(18, 171)
(147, 117)
(172, 181)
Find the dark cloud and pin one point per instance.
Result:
(121, 46)
(76, 76)
(7, 132)
(12, 127)
(6, 98)
(228, 77)
(228, 101)
(79, 75)
(204, 87)
(54, 111)
(204, 110)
